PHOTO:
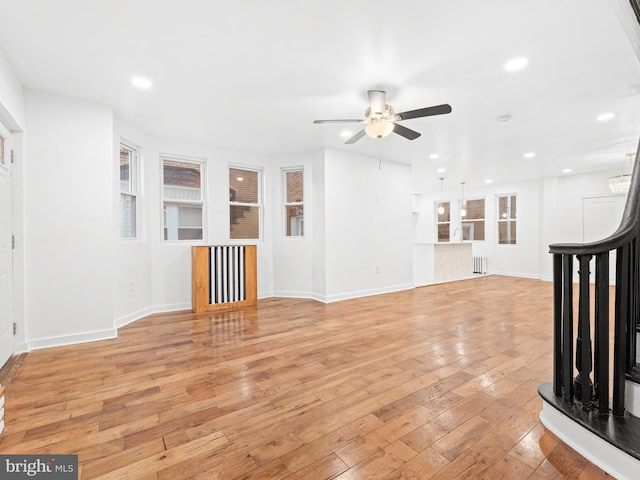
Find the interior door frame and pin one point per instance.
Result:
(8, 171)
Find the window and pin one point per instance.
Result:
(182, 199)
(128, 191)
(472, 221)
(443, 213)
(245, 205)
(293, 202)
(507, 219)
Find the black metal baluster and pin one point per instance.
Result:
(567, 328)
(557, 324)
(584, 362)
(601, 366)
(633, 305)
(620, 337)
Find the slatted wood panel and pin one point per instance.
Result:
(223, 277)
(438, 382)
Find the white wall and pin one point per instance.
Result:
(292, 256)
(318, 222)
(68, 228)
(357, 218)
(367, 226)
(132, 280)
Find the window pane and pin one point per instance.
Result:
(475, 209)
(182, 180)
(189, 234)
(127, 216)
(243, 185)
(507, 207)
(294, 186)
(125, 169)
(507, 233)
(443, 232)
(473, 230)
(182, 222)
(245, 222)
(295, 221)
(445, 216)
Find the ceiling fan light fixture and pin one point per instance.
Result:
(516, 64)
(379, 128)
(141, 82)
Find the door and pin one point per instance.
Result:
(601, 217)
(6, 274)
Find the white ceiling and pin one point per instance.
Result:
(252, 75)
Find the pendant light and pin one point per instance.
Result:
(463, 210)
(441, 206)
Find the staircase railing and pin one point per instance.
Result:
(593, 355)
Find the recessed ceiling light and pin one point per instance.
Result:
(442, 170)
(566, 170)
(141, 82)
(240, 179)
(529, 155)
(346, 133)
(603, 117)
(515, 64)
(433, 156)
(488, 181)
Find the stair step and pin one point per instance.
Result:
(621, 432)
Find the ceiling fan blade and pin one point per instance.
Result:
(425, 112)
(377, 101)
(405, 132)
(355, 138)
(344, 120)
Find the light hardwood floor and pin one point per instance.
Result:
(437, 382)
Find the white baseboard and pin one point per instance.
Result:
(132, 317)
(365, 293)
(516, 274)
(60, 341)
(595, 449)
(285, 294)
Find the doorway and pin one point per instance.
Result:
(601, 217)
(6, 247)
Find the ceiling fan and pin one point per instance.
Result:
(380, 119)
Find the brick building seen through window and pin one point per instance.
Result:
(244, 203)
(473, 225)
(294, 202)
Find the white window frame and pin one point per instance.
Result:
(202, 162)
(438, 223)
(259, 205)
(507, 220)
(134, 190)
(291, 204)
